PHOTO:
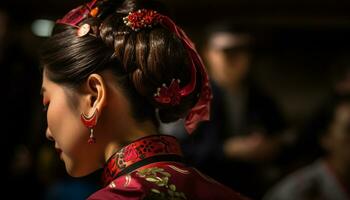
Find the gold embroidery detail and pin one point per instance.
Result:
(161, 178)
(112, 185)
(182, 171)
(155, 191)
(127, 180)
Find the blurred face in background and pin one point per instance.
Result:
(228, 58)
(337, 141)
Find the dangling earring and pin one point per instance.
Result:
(90, 122)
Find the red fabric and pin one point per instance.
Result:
(140, 149)
(75, 16)
(159, 178)
(191, 182)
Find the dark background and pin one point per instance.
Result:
(300, 44)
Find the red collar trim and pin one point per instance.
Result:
(139, 150)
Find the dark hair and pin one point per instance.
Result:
(141, 61)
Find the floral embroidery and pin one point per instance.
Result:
(160, 178)
(140, 149)
(156, 145)
(130, 153)
(120, 160)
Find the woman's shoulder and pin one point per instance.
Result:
(165, 181)
(150, 182)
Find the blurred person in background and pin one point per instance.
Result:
(243, 139)
(327, 178)
(253, 118)
(306, 148)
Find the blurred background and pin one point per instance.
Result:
(298, 55)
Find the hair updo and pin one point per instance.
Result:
(140, 60)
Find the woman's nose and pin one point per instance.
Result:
(48, 135)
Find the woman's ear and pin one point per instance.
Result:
(95, 93)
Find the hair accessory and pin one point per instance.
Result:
(94, 12)
(83, 30)
(77, 15)
(141, 19)
(169, 95)
(90, 122)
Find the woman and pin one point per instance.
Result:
(111, 71)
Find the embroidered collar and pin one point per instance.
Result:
(139, 153)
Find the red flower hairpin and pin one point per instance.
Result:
(141, 19)
(169, 95)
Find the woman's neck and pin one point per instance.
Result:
(130, 134)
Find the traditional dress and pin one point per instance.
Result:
(152, 168)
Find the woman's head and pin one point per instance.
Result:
(119, 72)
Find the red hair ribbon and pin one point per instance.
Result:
(77, 15)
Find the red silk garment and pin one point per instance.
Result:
(152, 168)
